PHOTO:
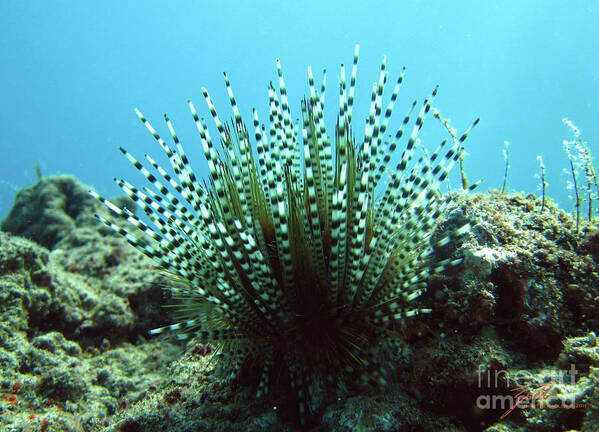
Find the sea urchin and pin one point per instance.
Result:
(304, 249)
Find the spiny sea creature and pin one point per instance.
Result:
(304, 249)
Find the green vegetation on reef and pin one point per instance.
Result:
(581, 161)
(74, 320)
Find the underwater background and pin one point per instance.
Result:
(73, 72)
(326, 285)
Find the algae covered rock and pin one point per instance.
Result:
(40, 295)
(528, 283)
(67, 317)
(112, 282)
(521, 307)
(49, 210)
(57, 333)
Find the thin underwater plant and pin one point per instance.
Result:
(543, 184)
(579, 157)
(506, 158)
(574, 184)
(453, 133)
(286, 258)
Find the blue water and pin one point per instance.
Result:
(72, 73)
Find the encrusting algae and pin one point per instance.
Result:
(305, 248)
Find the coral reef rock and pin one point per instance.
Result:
(77, 302)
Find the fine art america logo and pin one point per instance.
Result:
(528, 392)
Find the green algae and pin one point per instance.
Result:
(74, 322)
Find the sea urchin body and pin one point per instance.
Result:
(304, 248)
